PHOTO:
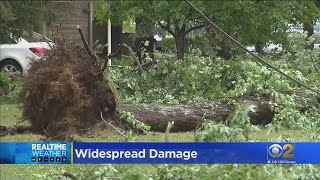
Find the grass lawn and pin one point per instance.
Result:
(10, 115)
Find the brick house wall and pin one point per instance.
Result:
(71, 13)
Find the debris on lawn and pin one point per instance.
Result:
(4, 130)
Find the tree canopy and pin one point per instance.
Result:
(176, 17)
(20, 16)
(251, 22)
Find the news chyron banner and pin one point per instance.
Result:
(196, 153)
(35, 153)
(159, 153)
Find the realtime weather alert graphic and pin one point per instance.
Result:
(35, 153)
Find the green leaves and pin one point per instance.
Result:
(4, 83)
(237, 123)
(171, 81)
(134, 123)
(19, 16)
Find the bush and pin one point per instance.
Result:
(9, 89)
(4, 84)
(168, 44)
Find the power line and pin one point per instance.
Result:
(263, 62)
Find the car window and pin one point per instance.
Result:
(34, 37)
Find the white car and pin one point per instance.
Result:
(273, 48)
(16, 57)
(252, 49)
(270, 48)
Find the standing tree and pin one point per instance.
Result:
(176, 17)
(306, 13)
(259, 22)
(251, 22)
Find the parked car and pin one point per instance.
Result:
(292, 29)
(270, 48)
(273, 48)
(16, 57)
(252, 49)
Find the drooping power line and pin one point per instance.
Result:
(263, 62)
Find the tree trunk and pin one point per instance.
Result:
(138, 38)
(225, 51)
(259, 47)
(188, 117)
(180, 37)
(116, 32)
(309, 27)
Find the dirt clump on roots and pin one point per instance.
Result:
(66, 91)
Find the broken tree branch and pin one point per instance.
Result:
(118, 47)
(86, 46)
(105, 64)
(120, 131)
(169, 127)
(135, 58)
(194, 28)
(148, 64)
(71, 176)
(57, 29)
(167, 27)
(47, 41)
(61, 28)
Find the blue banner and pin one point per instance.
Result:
(35, 153)
(196, 153)
(160, 153)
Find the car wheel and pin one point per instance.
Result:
(10, 67)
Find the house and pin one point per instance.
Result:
(73, 13)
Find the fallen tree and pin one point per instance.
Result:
(190, 116)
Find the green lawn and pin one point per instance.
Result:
(10, 115)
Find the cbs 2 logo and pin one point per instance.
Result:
(285, 151)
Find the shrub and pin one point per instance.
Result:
(4, 84)
(168, 44)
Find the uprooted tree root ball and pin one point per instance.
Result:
(66, 92)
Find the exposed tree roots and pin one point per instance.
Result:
(66, 91)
